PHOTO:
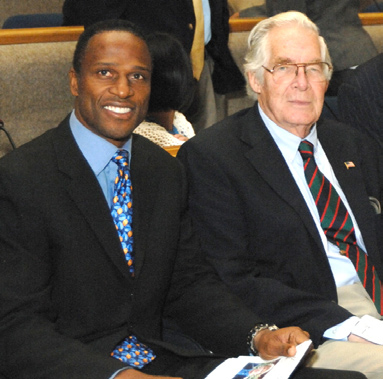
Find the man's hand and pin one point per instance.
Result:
(354, 338)
(367, 330)
(273, 343)
(134, 374)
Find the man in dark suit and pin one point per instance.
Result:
(220, 75)
(76, 286)
(360, 99)
(254, 210)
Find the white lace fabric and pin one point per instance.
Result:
(160, 136)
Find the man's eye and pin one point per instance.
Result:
(137, 76)
(283, 68)
(105, 73)
(314, 68)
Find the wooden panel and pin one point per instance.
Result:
(32, 35)
(238, 24)
(374, 18)
(172, 150)
(243, 24)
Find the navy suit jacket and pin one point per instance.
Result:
(254, 223)
(360, 98)
(66, 295)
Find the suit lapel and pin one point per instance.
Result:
(84, 189)
(267, 159)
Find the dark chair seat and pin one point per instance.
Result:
(38, 20)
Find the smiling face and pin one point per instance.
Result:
(113, 86)
(295, 105)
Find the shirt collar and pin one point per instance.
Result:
(287, 142)
(96, 150)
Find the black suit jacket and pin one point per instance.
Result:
(171, 16)
(360, 98)
(254, 223)
(65, 291)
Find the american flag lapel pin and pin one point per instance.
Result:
(349, 164)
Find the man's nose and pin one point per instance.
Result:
(301, 77)
(122, 88)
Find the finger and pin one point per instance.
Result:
(299, 336)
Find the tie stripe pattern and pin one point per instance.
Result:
(129, 351)
(122, 209)
(337, 224)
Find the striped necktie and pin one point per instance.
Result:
(130, 350)
(197, 53)
(337, 224)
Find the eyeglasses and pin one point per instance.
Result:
(315, 72)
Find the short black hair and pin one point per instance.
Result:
(100, 27)
(172, 75)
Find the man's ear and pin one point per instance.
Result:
(253, 82)
(73, 82)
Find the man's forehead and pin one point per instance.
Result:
(289, 42)
(115, 36)
(117, 43)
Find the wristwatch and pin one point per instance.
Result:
(257, 328)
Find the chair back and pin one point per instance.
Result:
(38, 20)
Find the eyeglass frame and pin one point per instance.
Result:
(304, 65)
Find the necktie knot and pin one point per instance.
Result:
(121, 158)
(306, 149)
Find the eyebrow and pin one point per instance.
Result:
(281, 60)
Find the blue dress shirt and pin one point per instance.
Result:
(98, 152)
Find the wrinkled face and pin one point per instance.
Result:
(113, 87)
(293, 105)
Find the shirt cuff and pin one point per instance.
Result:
(117, 372)
(341, 331)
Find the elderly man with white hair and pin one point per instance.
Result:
(288, 204)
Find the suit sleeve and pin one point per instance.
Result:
(218, 213)
(359, 106)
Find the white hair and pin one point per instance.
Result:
(258, 50)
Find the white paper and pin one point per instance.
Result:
(370, 329)
(248, 367)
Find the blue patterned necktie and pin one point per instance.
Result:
(129, 351)
(122, 207)
(337, 224)
(134, 353)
